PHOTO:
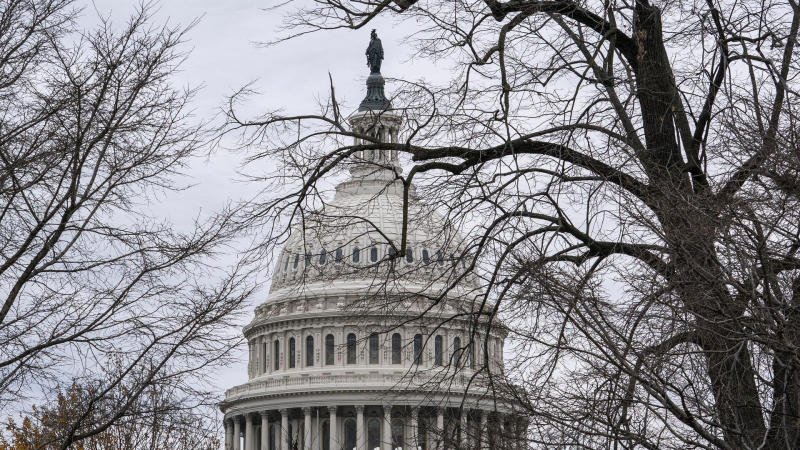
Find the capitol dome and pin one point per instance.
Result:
(360, 345)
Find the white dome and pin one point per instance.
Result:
(363, 228)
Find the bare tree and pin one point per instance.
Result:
(93, 286)
(626, 177)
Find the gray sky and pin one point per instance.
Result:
(224, 56)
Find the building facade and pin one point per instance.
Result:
(361, 346)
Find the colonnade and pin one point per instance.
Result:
(366, 427)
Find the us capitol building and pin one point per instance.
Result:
(361, 346)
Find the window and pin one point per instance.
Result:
(277, 356)
(453, 259)
(338, 255)
(439, 258)
(426, 257)
(296, 261)
(351, 348)
(273, 438)
(308, 259)
(350, 434)
(266, 357)
(409, 255)
(437, 351)
(373, 254)
(397, 433)
(286, 262)
(471, 354)
(457, 351)
(323, 256)
(326, 435)
(292, 353)
(422, 434)
(417, 349)
(329, 350)
(392, 252)
(396, 342)
(374, 433)
(310, 351)
(356, 254)
(373, 349)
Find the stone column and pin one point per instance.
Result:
(284, 429)
(484, 430)
(265, 431)
(386, 435)
(414, 428)
(440, 428)
(361, 442)
(334, 426)
(237, 434)
(228, 435)
(307, 429)
(464, 427)
(248, 432)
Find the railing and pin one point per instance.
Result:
(362, 380)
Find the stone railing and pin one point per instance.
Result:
(313, 383)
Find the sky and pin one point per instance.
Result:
(225, 55)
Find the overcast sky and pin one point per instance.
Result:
(225, 56)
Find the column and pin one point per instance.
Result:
(237, 434)
(228, 435)
(284, 429)
(484, 430)
(334, 425)
(248, 432)
(414, 439)
(464, 430)
(361, 442)
(265, 431)
(386, 429)
(307, 429)
(439, 427)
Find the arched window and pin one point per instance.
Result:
(397, 433)
(326, 435)
(457, 351)
(409, 254)
(471, 354)
(292, 353)
(329, 350)
(308, 258)
(417, 349)
(286, 262)
(356, 254)
(323, 256)
(310, 351)
(396, 343)
(426, 257)
(296, 261)
(277, 355)
(373, 349)
(374, 433)
(373, 254)
(440, 258)
(351, 348)
(350, 434)
(437, 351)
(338, 255)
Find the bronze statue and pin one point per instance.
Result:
(374, 53)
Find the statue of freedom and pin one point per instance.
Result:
(374, 53)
